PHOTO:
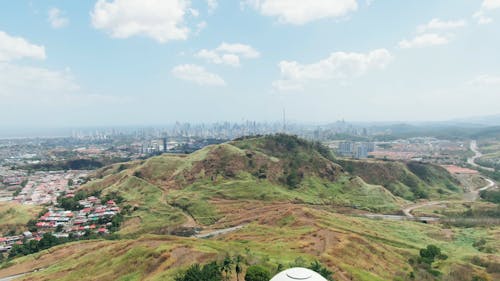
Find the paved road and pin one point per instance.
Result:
(407, 211)
(478, 154)
(217, 232)
(12, 277)
(401, 218)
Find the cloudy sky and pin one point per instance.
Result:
(139, 62)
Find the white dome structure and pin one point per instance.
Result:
(297, 274)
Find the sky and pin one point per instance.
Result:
(141, 62)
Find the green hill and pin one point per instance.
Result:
(163, 190)
(410, 180)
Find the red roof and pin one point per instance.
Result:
(102, 229)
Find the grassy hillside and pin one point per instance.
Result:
(166, 191)
(411, 180)
(355, 248)
(285, 193)
(14, 217)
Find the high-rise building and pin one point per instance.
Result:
(346, 148)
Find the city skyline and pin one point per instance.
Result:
(122, 62)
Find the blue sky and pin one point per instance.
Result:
(140, 62)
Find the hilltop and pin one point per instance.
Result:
(167, 190)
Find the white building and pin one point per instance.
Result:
(298, 273)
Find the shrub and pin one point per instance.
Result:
(257, 273)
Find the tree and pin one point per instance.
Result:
(429, 254)
(32, 225)
(257, 273)
(227, 265)
(59, 228)
(323, 271)
(237, 261)
(209, 272)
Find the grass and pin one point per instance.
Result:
(356, 247)
(14, 216)
(407, 180)
(152, 213)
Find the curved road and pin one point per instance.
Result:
(477, 154)
(407, 211)
(475, 193)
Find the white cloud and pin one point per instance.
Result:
(482, 18)
(486, 7)
(212, 5)
(43, 89)
(485, 80)
(200, 26)
(198, 75)
(339, 65)
(245, 51)
(228, 54)
(12, 48)
(424, 40)
(26, 81)
(440, 25)
(300, 11)
(158, 19)
(490, 4)
(57, 18)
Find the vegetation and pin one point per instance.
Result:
(257, 273)
(208, 272)
(33, 246)
(411, 180)
(15, 217)
(71, 203)
(323, 271)
(315, 218)
(491, 196)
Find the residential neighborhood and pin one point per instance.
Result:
(94, 217)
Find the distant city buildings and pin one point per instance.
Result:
(358, 150)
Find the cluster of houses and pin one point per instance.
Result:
(7, 242)
(95, 217)
(45, 187)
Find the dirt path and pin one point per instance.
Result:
(190, 223)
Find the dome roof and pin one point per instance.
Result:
(297, 274)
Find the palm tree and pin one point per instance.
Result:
(227, 265)
(237, 260)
